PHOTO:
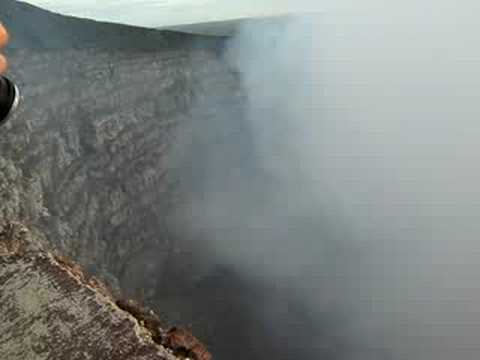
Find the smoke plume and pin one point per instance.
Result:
(352, 181)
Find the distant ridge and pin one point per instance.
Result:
(33, 27)
(216, 28)
(226, 27)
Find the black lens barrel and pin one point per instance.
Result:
(9, 98)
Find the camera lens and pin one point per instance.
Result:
(9, 98)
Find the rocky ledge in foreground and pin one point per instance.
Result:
(51, 310)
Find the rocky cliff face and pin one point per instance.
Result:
(93, 140)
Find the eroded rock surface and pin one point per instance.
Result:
(88, 158)
(51, 310)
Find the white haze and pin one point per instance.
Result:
(366, 129)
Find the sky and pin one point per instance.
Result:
(156, 13)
